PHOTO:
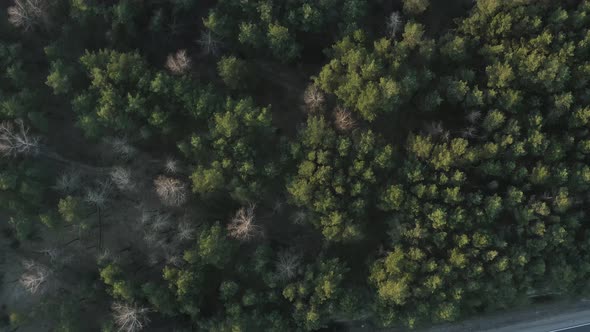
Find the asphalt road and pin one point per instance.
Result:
(576, 321)
(552, 317)
(576, 328)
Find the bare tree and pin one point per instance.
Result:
(15, 139)
(209, 43)
(473, 116)
(446, 135)
(469, 132)
(151, 238)
(394, 23)
(242, 226)
(161, 222)
(171, 191)
(287, 265)
(171, 166)
(278, 206)
(130, 317)
(186, 231)
(178, 63)
(493, 185)
(313, 98)
(122, 148)
(343, 119)
(300, 217)
(435, 129)
(34, 277)
(173, 258)
(122, 178)
(99, 195)
(27, 13)
(68, 182)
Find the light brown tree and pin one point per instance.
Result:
(35, 277)
(343, 119)
(172, 192)
(178, 63)
(28, 13)
(242, 226)
(130, 317)
(313, 98)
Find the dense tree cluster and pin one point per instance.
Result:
(188, 165)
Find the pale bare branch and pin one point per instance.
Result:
(171, 166)
(242, 226)
(435, 129)
(287, 265)
(26, 14)
(186, 231)
(313, 98)
(99, 195)
(469, 132)
(473, 116)
(343, 119)
(122, 178)
(122, 147)
(172, 192)
(178, 63)
(130, 317)
(394, 23)
(209, 43)
(34, 277)
(68, 182)
(16, 140)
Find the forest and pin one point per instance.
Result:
(300, 165)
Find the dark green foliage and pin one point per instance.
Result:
(336, 176)
(272, 26)
(437, 174)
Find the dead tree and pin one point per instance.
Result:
(469, 132)
(300, 217)
(26, 14)
(130, 318)
(15, 139)
(435, 129)
(343, 119)
(68, 182)
(287, 265)
(122, 148)
(172, 192)
(178, 63)
(99, 197)
(394, 23)
(209, 43)
(313, 98)
(161, 222)
(242, 226)
(122, 178)
(171, 166)
(35, 277)
(186, 231)
(473, 116)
